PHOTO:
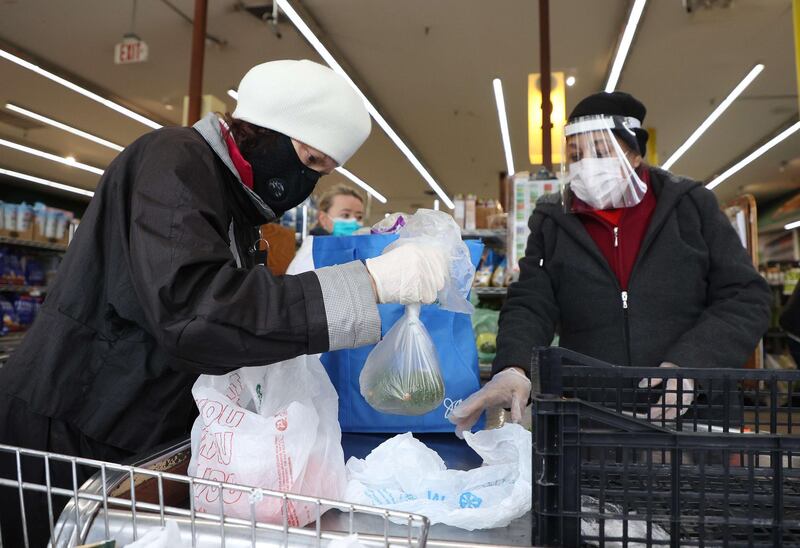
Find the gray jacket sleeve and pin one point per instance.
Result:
(350, 305)
(738, 309)
(530, 313)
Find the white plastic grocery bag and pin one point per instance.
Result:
(168, 536)
(403, 474)
(437, 228)
(402, 374)
(274, 427)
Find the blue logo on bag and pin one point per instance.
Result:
(468, 500)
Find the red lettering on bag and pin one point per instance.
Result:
(281, 421)
(229, 496)
(218, 446)
(234, 388)
(210, 410)
(233, 418)
(213, 411)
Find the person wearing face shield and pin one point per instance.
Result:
(165, 281)
(631, 265)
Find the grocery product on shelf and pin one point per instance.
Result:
(469, 212)
(37, 223)
(10, 318)
(459, 210)
(492, 270)
(483, 276)
(499, 275)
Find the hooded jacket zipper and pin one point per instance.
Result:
(624, 296)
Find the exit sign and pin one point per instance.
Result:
(130, 50)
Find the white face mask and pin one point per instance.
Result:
(600, 182)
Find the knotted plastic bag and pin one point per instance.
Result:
(437, 228)
(402, 374)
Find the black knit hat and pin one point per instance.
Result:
(616, 103)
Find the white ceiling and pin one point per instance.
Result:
(428, 65)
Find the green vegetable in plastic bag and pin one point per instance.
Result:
(402, 374)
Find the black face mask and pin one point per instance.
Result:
(280, 178)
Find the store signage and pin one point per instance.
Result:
(130, 50)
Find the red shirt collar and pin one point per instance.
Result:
(242, 166)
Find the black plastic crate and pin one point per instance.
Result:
(724, 472)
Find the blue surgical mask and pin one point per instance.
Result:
(345, 227)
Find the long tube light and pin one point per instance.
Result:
(792, 226)
(377, 195)
(501, 116)
(722, 107)
(783, 135)
(45, 182)
(79, 89)
(62, 126)
(625, 45)
(233, 94)
(309, 35)
(51, 157)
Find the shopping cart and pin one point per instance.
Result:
(725, 471)
(123, 503)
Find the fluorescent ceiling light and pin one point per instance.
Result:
(793, 225)
(65, 127)
(625, 45)
(783, 135)
(83, 91)
(377, 195)
(722, 107)
(436, 205)
(391, 133)
(51, 157)
(45, 182)
(233, 94)
(501, 115)
(570, 81)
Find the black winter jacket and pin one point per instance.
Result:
(160, 285)
(694, 297)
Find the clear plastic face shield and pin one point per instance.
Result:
(599, 169)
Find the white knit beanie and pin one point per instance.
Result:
(307, 102)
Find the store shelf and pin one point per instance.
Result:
(34, 245)
(32, 289)
(490, 291)
(485, 233)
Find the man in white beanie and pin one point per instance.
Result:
(165, 280)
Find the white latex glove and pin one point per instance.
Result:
(409, 274)
(667, 406)
(509, 389)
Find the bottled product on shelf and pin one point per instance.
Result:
(36, 223)
(32, 239)
(474, 215)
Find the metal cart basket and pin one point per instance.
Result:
(123, 503)
(722, 469)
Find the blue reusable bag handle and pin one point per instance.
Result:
(452, 335)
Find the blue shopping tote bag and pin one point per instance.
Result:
(452, 336)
